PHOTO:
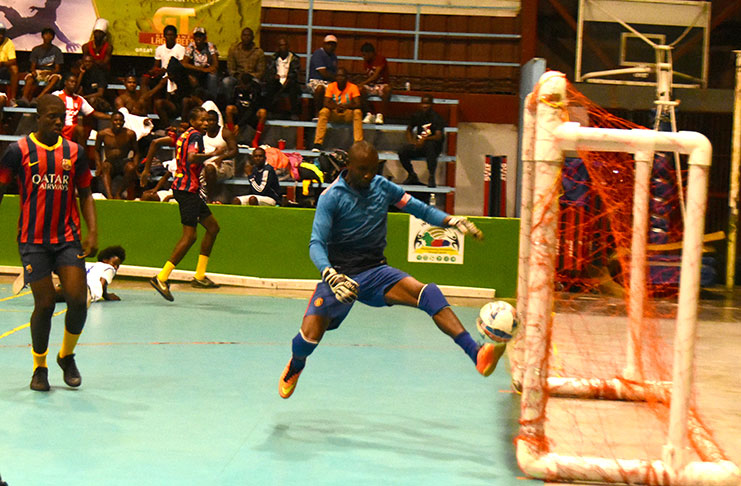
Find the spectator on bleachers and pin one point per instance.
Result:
(98, 47)
(8, 65)
(46, 65)
(282, 78)
(322, 70)
(222, 141)
(376, 83)
(341, 103)
(137, 101)
(202, 63)
(243, 57)
(165, 106)
(248, 109)
(264, 188)
(92, 83)
(425, 139)
(74, 105)
(117, 143)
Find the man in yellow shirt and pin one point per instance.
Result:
(8, 65)
(341, 103)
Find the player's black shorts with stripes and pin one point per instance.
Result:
(192, 207)
(39, 260)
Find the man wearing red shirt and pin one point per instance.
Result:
(376, 83)
(48, 169)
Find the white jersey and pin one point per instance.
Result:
(213, 143)
(163, 54)
(96, 271)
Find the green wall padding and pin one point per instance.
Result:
(274, 243)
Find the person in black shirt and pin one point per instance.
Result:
(248, 109)
(91, 84)
(425, 139)
(264, 185)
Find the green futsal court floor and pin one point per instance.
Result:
(185, 393)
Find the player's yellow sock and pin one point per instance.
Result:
(201, 267)
(39, 359)
(165, 272)
(69, 341)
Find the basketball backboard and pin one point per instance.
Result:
(617, 40)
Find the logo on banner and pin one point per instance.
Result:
(432, 244)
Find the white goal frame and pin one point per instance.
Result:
(546, 137)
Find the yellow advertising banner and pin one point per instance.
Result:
(134, 27)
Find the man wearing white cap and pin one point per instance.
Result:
(8, 66)
(322, 70)
(99, 47)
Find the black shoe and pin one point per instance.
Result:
(162, 287)
(71, 373)
(204, 283)
(412, 180)
(40, 380)
(431, 182)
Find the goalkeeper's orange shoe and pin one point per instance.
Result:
(287, 383)
(488, 357)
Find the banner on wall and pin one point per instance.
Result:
(134, 28)
(432, 244)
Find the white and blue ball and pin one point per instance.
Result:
(497, 321)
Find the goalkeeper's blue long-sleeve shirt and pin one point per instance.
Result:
(349, 230)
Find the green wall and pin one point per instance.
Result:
(274, 243)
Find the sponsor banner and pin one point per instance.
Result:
(432, 244)
(134, 28)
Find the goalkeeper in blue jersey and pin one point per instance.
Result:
(347, 242)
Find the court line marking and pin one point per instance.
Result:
(28, 324)
(15, 296)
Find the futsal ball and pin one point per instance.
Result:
(497, 321)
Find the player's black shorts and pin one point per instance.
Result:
(39, 260)
(192, 208)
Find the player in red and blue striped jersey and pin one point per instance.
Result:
(188, 191)
(48, 169)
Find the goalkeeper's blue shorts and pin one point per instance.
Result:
(372, 287)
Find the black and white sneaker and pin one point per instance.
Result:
(162, 287)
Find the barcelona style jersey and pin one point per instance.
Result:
(47, 177)
(187, 176)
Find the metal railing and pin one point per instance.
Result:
(417, 33)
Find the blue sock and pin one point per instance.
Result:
(301, 349)
(467, 344)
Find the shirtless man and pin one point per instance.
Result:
(138, 102)
(117, 142)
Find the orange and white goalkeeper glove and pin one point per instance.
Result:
(462, 224)
(343, 287)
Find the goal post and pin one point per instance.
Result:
(547, 136)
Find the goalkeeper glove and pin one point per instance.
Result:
(465, 226)
(343, 287)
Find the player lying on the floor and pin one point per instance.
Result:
(348, 239)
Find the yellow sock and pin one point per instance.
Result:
(165, 272)
(69, 341)
(39, 359)
(201, 267)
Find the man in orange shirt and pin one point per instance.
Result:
(341, 103)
